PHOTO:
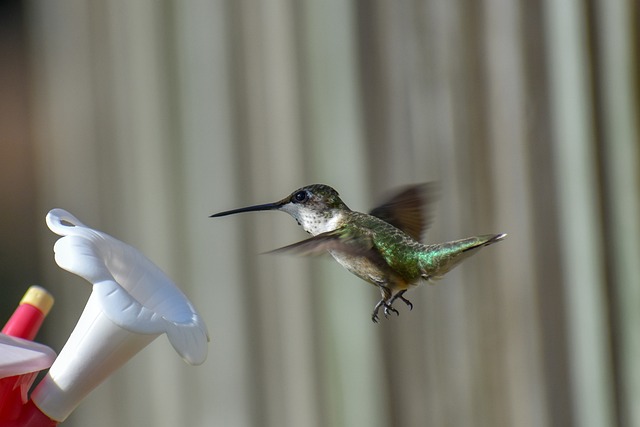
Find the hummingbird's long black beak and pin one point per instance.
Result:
(265, 207)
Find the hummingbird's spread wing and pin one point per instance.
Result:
(339, 240)
(410, 209)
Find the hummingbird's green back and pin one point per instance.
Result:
(413, 260)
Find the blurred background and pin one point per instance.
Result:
(143, 118)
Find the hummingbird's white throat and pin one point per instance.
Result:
(312, 221)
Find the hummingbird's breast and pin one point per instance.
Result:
(371, 269)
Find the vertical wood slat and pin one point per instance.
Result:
(510, 185)
(349, 361)
(581, 246)
(299, 403)
(621, 136)
(214, 267)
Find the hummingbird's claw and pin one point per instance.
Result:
(374, 315)
(387, 310)
(404, 300)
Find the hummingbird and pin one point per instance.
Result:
(382, 247)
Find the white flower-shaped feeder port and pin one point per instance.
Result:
(132, 303)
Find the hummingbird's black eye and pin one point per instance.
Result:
(300, 196)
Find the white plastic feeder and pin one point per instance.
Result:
(131, 304)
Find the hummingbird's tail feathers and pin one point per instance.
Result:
(486, 240)
(441, 258)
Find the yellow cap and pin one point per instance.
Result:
(39, 298)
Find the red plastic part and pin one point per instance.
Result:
(15, 410)
(13, 394)
(24, 323)
(31, 416)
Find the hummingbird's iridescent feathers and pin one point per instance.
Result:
(441, 258)
(368, 236)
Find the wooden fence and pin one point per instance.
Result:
(147, 116)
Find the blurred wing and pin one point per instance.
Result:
(410, 210)
(337, 240)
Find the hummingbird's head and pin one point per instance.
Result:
(317, 208)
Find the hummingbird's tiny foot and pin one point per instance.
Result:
(387, 310)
